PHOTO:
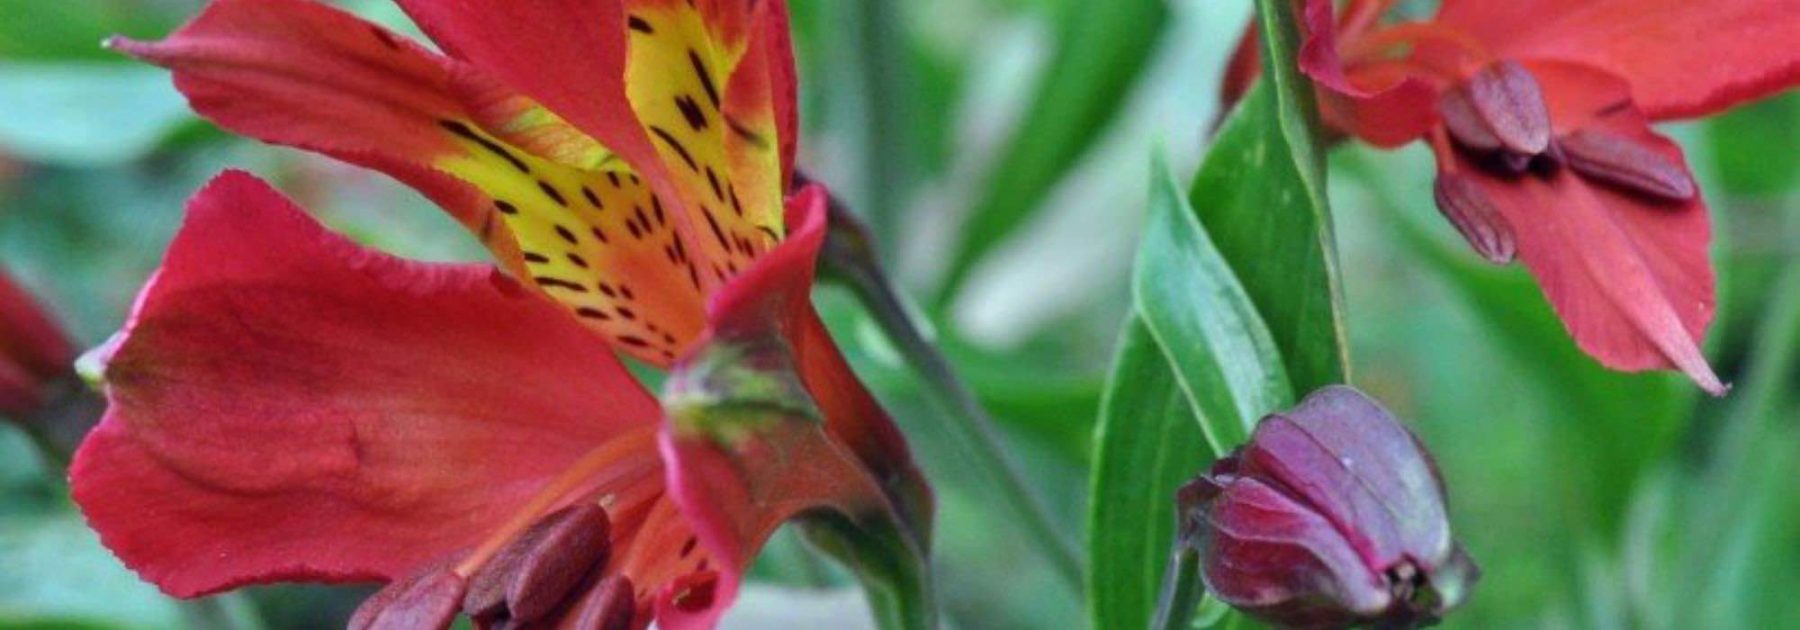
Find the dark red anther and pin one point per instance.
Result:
(1627, 164)
(1508, 100)
(1465, 123)
(426, 600)
(1462, 201)
(611, 606)
(533, 575)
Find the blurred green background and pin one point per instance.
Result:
(1001, 149)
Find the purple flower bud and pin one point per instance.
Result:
(1332, 515)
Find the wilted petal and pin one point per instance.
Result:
(1682, 57)
(1629, 276)
(289, 406)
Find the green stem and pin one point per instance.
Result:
(1182, 590)
(849, 258)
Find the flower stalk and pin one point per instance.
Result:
(849, 259)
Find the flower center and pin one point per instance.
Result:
(625, 458)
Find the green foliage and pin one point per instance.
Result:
(1147, 444)
(1102, 47)
(1261, 194)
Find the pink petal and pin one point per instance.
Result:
(286, 405)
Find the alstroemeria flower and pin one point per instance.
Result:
(34, 351)
(627, 157)
(289, 406)
(1539, 112)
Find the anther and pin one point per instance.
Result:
(535, 573)
(1626, 163)
(426, 600)
(1462, 201)
(1511, 104)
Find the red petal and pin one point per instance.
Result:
(1629, 275)
(1682, 57)
(303, 74)
(286, 405)
(1385, 112)
(29, 336)
(568, 55)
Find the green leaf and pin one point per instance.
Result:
(1224, 357)
(1261, 195)
(1195, 370)
(1102, 48)
(85, 114)
(1146, 446)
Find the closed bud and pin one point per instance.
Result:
(1627, 164)
(1511, 105)
(1462, 201)
(35, 353)
(1332, 515)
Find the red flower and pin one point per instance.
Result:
(34, 351)
(287, 406)
(1539, 114)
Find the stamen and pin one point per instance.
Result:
(621, 449)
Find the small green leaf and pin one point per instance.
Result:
(1224, 357)
(1261, 195)
(1102, 48)
(1145, 447)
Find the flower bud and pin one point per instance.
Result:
(1332, 515)
(35, 353)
